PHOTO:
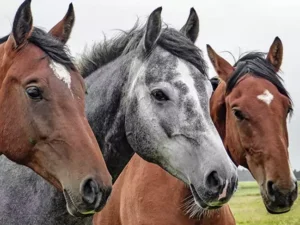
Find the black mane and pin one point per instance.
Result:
(4, 39)
(170, 39)
(55, 49)
(256, 64)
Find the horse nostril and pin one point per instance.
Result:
(213, 181)
(89, 191)
(294, 192)
(234, 181)
(296, 186)
(271, 188)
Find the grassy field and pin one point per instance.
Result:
(248, 208)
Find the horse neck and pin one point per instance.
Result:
(218, 115)
(106, 113)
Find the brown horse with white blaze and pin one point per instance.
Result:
(42, 120)
(250, 107)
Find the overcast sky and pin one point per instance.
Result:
(227, 25)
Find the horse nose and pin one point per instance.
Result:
(295, 192)
(272, 187)
(89, 191)
(296, 185)
(273, 191)
(214, 182)
(92, 195)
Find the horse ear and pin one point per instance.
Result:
(22, 25)
(221, 66)
(275, 54)
(153, 29)
(63, 29)
(191, 27)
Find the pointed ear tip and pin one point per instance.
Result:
(277, 39)
(193, 11)
(71, 8)
(70, 12)
(208, 47)
(26, 3)
(159, 9)
(156, 12)
(25, 6)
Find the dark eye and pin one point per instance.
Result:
(34, 93)
(159, 95)
(238, 114)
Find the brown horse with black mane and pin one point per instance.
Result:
(249, 108)
(42, 118)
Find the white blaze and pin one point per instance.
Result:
(139, 68)
(266, 97)
(185, 77)
(61, 73)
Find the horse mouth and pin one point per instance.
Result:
(72, 209)
(199, 201)
(275, 210)
(271, 207)
(281, 211)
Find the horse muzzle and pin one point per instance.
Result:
(91, 199)
(277, 201)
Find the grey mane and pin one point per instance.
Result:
(170, 39)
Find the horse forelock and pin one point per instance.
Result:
(56, 50)
(254, 63)
(60, 60)
(170, 39)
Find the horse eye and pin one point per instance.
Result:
(34, 93)
(238, 114)
(159, 95)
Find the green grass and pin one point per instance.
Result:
(248, 208)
